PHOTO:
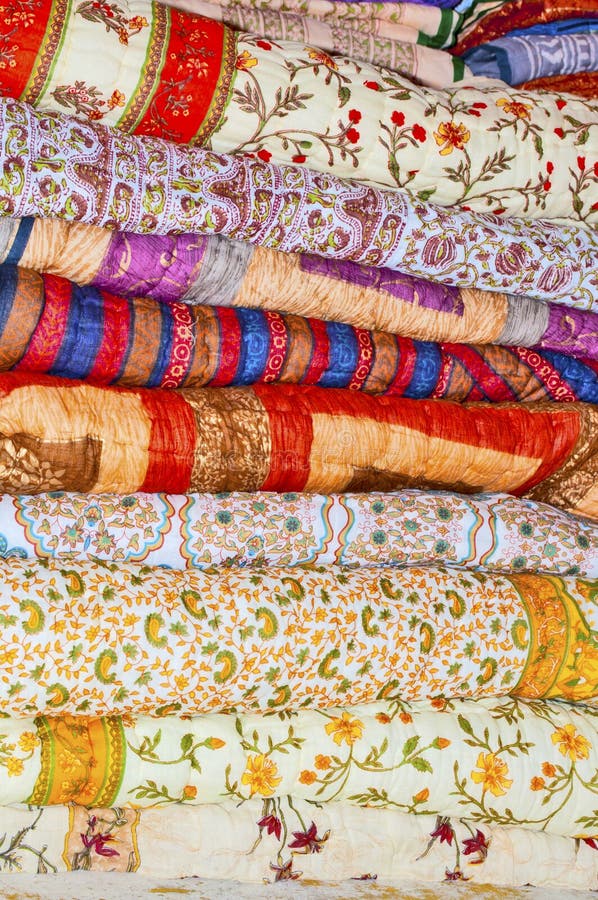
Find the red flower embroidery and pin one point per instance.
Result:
(443, 830)
(581, 163)
(372, 85)
(561, 104)
(419, 133)
(272, 824)
(98, 843)
(549, 168)
(477, 844)
(480, 105)
(308, 841)
(265, 45)
(352, 135)
(354, 116)
(398, 118)
(559, 132)
(299, 158)
(547, 185)
(264, 155)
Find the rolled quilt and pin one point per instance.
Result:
(495, 21)
(166, 73)
(61, 168)
(271, 840)
(132, 639)
(424, 65)
(495, 532)
(493, 760)
(48, 324)
(68, 435)
(585, 84)
(515, 59)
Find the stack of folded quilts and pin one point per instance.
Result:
(299, 441)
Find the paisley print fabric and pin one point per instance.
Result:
(492, 532)
(496, 761)
(50, 325)
(191, 642)
(69, 435)
(151, 186)
(485, 147)
(271, 840)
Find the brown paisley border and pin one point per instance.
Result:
(48, 51)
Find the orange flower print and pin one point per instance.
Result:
(406, 718)
(514, 108)
(307, 777)
(261, 775)
(322, 762)
(117, 99)
(245, 61)
(537, 783)
(189, 792)
(320, 57)
(421, 796)
(451, 136)
(383, 718)
(345, 728)
(570, 743)
(548, 769)
(492, 775)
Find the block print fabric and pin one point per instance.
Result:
(272, 840)
(424, 65)
(585, 84)
(493, 532)
(48, 324)
(130, 639)
(515, 59)
(483, 147)
(424, 758)
(67, 435)
(151, 186)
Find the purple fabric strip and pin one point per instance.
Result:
(162, 268)
(571, 331)
(440, 297)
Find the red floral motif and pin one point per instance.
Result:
(264, 155)
(113, 18)
(264, 45)
(398, 119)
(561, 104)
(372, 85)
(299, 158)
(308, 841)
(444, 830)
(352, 135)
(559, 133)
(285, 872)
(97, 842)
(549, 168)
(581, 163)
(419, 133)
(476, 844)
(354, 116)
(272, 824)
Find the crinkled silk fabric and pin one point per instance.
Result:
(51, 325)
(584, 83)
(494, 532)
(191, 642)
(215, 270)
(68, 435)
(483, 147)
(267, 838)
(103, 177)
(495, 759)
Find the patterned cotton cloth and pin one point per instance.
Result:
(519, 58)
(69, 435)
(354, 38)
(495, 760)
(273, 839)
(151, 186)
(50, 325)
(192, 642)
(494, 532)
(483, 147)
